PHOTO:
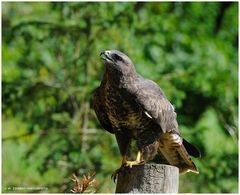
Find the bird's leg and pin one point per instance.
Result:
(115, 174)
(124, 141)
(126, 163)
(124, 144)
(138, 161)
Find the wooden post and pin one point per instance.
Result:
(148, 178)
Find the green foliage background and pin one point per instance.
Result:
(51, 66)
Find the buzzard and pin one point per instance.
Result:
(132, 107)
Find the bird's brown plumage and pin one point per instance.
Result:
(133, 107)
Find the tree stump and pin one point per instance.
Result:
(148, 178)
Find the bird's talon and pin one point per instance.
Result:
(114, 176)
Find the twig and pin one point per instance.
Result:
(80, 186)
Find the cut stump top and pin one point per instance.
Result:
(148, 178)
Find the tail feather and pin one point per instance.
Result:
(191, 149)
(179, 157)
(191, 167)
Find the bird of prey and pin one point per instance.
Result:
(132, 107)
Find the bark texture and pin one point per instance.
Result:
(148, 178)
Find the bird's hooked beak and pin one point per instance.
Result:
(106, 56)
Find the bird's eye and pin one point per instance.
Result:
(117, 57)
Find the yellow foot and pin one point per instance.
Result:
(126, 163)
(129, 164)
(132, 163)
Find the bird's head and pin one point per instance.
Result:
(118, 61)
